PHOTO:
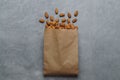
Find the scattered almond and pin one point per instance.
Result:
(74, 20)
(68, 20)
(41, 20)
(67, 26)
(56, 10)
(53, 23)
(76, 27)
(46, 26)
(62, 15)
(72, 26)
(46, 15)
(69, 15)
(51, 18)
(60, 24)
(52, 27)
(48, 23)
(57, 20)
(76, 13)
(63, 20)
(56, 27)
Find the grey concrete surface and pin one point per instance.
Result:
(21, 38)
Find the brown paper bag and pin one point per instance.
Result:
(60, 52)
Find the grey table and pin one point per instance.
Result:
(21, 38)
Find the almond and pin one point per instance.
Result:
(76, 13)
(46, 26)
(76, 27)
(57, 20)
(74, 20)
(63, 20)
(68, 20)
(67, 26)
(56, 27)
(41, 20)
(60, 28)
(72, 26)
(46, 15)
(56, 10)
(51, 18)
(53, 23)
(62, 15)
(52, 27)
(49, 27)
(48, 23)
(62, 24)
(69, 15)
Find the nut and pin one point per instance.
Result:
(52, 27)
(52, 23)
(62, 15)
(69, 15)
(46, 15)
(74, 20)
(56, 27)
(67, 26)
(56, 10)
(63, 19)
(72, 26)
(57, 20)
(51, 18)
(61, 28)
(49, 27)
(76, 13)
(62, 24)
(46, 26)
(48, 23)
(41, 20)
(76, 27)
(68, 20)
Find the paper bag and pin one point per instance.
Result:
(60, 52)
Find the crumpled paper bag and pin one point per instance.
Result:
(60, 52)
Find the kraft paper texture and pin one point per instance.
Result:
(60, 52)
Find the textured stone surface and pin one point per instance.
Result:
(21, 38)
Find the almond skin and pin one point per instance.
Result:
(56, 10)
(69, 15)
(76, 13)
(62, 15)
(41, 20)
(46, 15)
(74, 20)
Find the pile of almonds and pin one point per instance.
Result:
(64, 23)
